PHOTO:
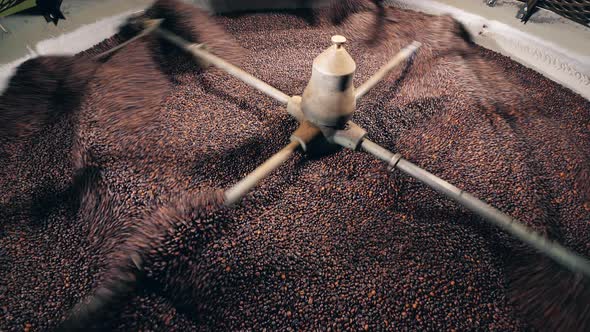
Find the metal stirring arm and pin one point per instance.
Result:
(240, 189)
(402, 55)
(198, 51)
(300, 138)
(554, 250)
(149, 26)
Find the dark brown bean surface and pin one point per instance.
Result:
(329, 243)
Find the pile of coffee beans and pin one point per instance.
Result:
(328, 242)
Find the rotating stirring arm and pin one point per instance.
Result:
(300, 138)
(404, 54)
(240, 189)
(554, 250)
(200, 53)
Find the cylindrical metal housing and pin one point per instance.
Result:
(329, 99)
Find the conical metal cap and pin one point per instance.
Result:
(335, 60)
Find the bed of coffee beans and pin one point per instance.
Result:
(335, 242)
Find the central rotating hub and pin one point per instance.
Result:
(329, 98)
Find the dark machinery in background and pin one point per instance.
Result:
(50, 9)
(575, 10)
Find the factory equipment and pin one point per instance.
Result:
(324, 110)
